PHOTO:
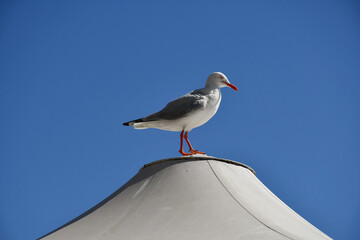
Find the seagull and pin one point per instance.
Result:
(187, 112)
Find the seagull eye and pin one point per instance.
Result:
(221, 77)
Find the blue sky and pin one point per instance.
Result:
(72, 71)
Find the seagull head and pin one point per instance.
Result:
(218, 79)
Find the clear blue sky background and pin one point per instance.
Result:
(71, 72)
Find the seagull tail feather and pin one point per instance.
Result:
(131, 123)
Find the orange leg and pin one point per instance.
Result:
(181, 145)
(191, 148)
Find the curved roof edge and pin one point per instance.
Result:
(199, 157)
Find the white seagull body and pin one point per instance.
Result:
(185, 113)
(189, 111)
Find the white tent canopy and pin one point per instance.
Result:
(198, 197)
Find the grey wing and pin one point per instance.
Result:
(179, 108)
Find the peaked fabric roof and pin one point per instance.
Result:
(194, 197)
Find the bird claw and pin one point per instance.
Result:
(185, 153)
(196, 152)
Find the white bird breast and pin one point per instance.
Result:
(199, 117)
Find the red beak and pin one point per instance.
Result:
(231, 85)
